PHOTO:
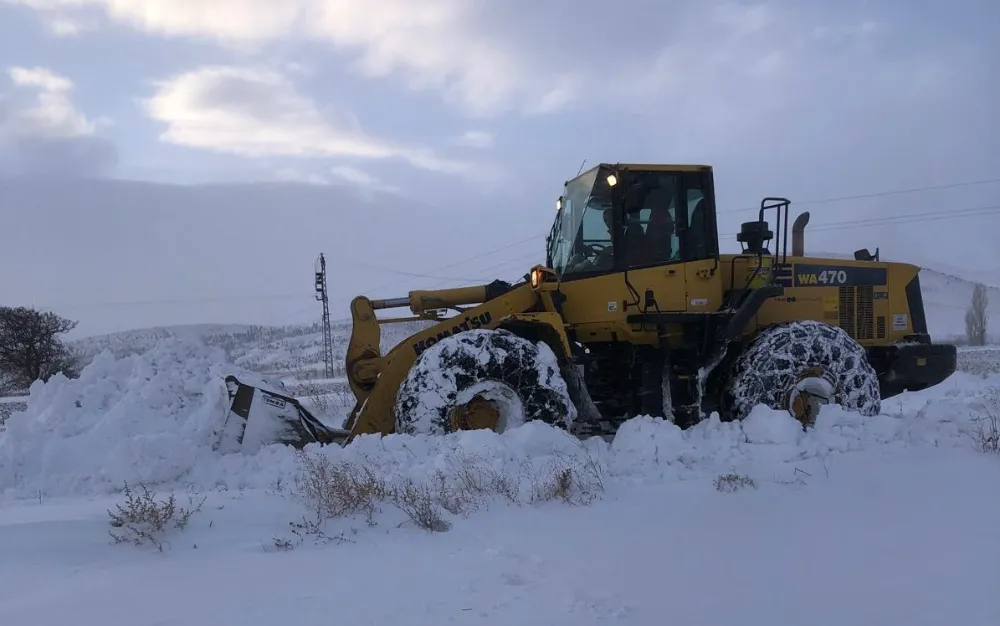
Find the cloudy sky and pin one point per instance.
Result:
(423, 143)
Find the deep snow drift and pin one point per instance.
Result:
(150, 417)
(882, 520)
(154, 418)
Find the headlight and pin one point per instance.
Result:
(536, 278)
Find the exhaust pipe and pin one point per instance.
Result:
(798, 234)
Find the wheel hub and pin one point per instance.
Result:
(486, 404)
(810, 392)
(478, 413)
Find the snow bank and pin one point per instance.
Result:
(768, 445)
(153, 418)
(148, 417)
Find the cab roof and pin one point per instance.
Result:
(649, 167)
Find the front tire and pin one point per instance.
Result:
(799, 366)
(453, 377)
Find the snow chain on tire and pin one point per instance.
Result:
(461, 361)
(779, 355)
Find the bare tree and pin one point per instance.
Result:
(30, 348)
(976, 316)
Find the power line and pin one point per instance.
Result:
(389, 270)
(876, 221)
(912, 218)
(887, 220)
(471, 258)
(875, 194)
(164, 301)
(879, 194)
(495, 270)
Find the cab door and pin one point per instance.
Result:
(653, 257)
(699, 242)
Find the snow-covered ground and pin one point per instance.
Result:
(902, 537)
(887, 520)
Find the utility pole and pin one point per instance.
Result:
(323, 296)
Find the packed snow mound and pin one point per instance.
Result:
(147, 417)
(768, 445)
(154, 418)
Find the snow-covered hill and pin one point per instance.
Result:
(284, 350)
(946, 298)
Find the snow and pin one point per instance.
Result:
(148, 417)
(865, 545)
(890, 519)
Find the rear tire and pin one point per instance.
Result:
(813, 356)
(520, 376)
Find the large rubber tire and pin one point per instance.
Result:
(776, 358)
(464, 362)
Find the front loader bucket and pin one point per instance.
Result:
(257, 417)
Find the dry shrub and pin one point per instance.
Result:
(471, 482)
(419, 504)
(142, 519)
(316, 393)
(334, 489)
(569, 480)
(731, 482)
(986, 424)
(343, 394)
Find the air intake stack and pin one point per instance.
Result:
(798, 234)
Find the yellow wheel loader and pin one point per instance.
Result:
(637, 312)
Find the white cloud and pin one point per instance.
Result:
(289, 175)
(257, 112)
(52, 112)
(70, 27)
(491, 58)
(42, 131)
(44, 79)
(475, 139)
(710, 78)
(445, 45)
(770, 74)
(359, 178)
(353, 175)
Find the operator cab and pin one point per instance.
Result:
(614, 218)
